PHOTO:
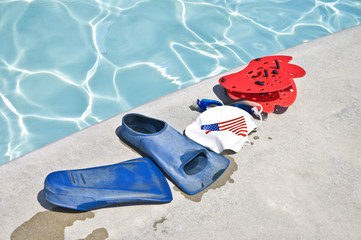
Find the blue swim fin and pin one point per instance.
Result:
(188, 164)
(134, 181)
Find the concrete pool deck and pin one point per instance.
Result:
(300, 178)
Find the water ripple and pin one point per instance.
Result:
(65, 65)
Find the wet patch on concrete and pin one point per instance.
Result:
(48, 225)
(221, 181)
(158, 222)
(97, 234)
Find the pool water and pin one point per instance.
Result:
(65, 65)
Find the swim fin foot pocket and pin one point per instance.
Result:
(188, 164)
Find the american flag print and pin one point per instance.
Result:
(238, 126)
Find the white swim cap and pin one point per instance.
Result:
(221, 128)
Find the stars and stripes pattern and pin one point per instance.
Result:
(238, 126)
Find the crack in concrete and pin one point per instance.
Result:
(158, 222)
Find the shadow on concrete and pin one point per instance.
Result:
(280, 110)
(51, 207)
(221, 93)
(194, 107)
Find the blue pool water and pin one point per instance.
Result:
(65, 65)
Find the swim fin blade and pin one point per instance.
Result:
(130, 182)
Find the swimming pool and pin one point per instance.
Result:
(65, 65)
